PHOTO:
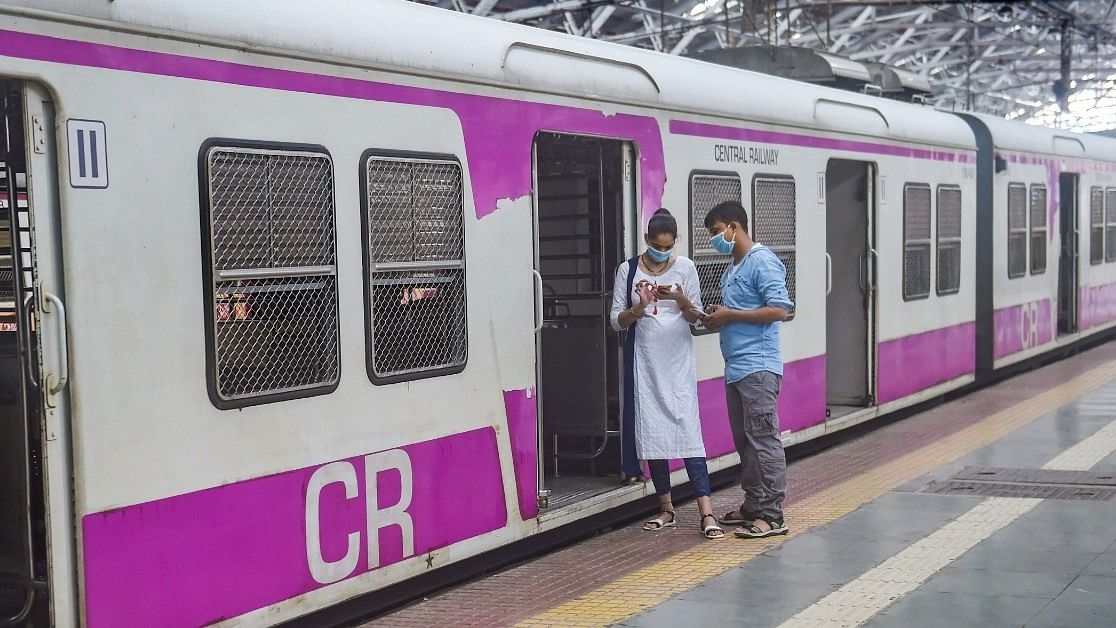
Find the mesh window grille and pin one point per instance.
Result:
(274, 290)
(1110, 225)
(1017, 230)
(916, 241)
(706, 192)
(416, 274)
(775, 207)
(1096, 225)
(949, 240)
(1038, 229)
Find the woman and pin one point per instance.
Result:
(656, 298)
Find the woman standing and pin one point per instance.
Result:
(656, 298)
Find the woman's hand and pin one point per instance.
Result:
(646, 293)
(672, 292)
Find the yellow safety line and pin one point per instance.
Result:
(651, 585)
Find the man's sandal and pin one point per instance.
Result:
(751, 531)
(660, 522)
(711, 531)
(746, 516)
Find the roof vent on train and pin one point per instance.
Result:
(812, 66)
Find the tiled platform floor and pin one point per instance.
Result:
(852, 506)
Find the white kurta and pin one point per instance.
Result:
(666, 408)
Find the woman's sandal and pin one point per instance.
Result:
(714, 531)
(751, 531)
(660, 522)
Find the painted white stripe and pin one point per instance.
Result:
(876, 589)
(1086, 454)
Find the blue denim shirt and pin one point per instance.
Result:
(760, 279)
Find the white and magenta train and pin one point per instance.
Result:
(311, 298)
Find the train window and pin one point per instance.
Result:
(707, 190)
(1096, 225)
(1038, 229)
(1017, 230)
(949, 239)
(272, 274)
(916, 241)
(774, 208)
(415, 260)
(1110, 225)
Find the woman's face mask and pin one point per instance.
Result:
(659, 256)
(721, 245)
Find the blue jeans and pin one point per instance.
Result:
(695, 468)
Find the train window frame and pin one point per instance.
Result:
(372, 267)
(211, 274)
(928, 241)
(1110, 224)
(939, 239)
(1018, 230)
(1032, 230)
(1096, 223)
(791, 277)
(708, 257)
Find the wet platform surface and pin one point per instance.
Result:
(996, 509)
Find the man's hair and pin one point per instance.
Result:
(727, 213)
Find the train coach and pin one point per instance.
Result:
(308, 301)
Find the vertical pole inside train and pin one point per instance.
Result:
(22, 529)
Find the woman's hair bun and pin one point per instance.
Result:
(662, 211)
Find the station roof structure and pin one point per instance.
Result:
(1045, 62)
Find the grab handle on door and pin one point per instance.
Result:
(874, 268)
(25, 333)
(63, 351)
(828, 274)
(538, 289)
(861, 272)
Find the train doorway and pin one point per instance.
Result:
(851, 290)
(1068, 258)
(23, 547)
(583, 198)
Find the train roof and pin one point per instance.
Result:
(1018, 136)
(405, 36)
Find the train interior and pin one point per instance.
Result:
(581, 197)
(1067, 267)
(22, 517)
(848, 333)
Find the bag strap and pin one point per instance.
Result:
(633, 265)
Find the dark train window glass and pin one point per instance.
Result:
(774, 208)
(415, 257)
(1017, 230)
(1110, 225)
(1096, 225)
(273, 292)
(707, 190)
(949, 239)
(916, 241)
(1038, 229)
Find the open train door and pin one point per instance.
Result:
(1068, 260)
(37, 566)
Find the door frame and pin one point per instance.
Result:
(629, 243)
(1069, 260)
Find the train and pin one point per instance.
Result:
(308, 301)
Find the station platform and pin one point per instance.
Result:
(994, 509)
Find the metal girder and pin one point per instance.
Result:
(991, 54)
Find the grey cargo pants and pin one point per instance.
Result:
(755, 429)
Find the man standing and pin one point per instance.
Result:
(754, 293)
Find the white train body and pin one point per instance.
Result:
(175, 498)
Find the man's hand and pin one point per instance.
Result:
(716, 316)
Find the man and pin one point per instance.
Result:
(754, 293)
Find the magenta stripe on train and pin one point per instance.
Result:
(499, 132)
(218, 553)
